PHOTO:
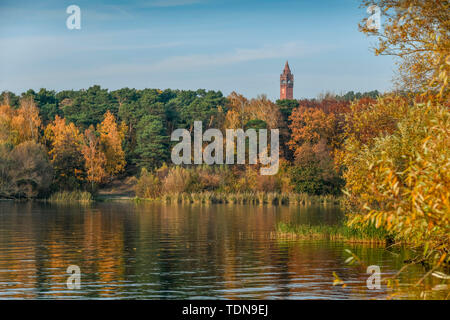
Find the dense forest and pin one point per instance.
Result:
(84, 139)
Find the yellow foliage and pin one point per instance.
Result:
(65, 151)
(148, 186)
(111, 138)
(95, 159)
(401, 181)
(242, 111)
(418, 32)
(20, 125)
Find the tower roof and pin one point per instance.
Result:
(286, 68)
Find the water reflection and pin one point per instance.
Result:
(148, 250)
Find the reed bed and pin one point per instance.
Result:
(339, 232)
(255, 198)
(71, 197)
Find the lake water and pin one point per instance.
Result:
(155, 251)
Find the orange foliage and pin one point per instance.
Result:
(94, 158)
(6, 115)
(369, 118)
(65, 152)
(309, 126)
(27, 120)
(111, 139)
(20, 125)
(242, 110)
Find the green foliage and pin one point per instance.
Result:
(152, 147)
(255, 124)
(203, 106)
(286, 107)
(340, 232)
(9, 98)
(312, 179)
(48, 105)
(351, 95)
(85, 108)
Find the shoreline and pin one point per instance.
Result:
(207, 197)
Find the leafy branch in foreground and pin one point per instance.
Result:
(418, 33)
(406, 176)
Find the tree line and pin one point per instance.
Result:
(82, 139)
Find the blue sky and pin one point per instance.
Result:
(227, 45)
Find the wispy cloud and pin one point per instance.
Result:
(202, 61)
(174, 64)
(37, 48)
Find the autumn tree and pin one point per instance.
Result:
(26, 171)
(94, 158)
(65, 153)
(111, 138)
(368, 119)
(312, 134)
(27, 121)
(6, 130)
(309, 126)
(400, 178)
(259, 113)
(242, 110)
(20, 125)
(418, 33)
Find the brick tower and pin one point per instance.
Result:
(286, 83)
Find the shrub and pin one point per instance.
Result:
(148, 185)
(25, 170)
(71, 197)
(180, 180)
(401, 181)
(209, 178)
(314, 180)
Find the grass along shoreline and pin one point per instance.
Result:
(339, 232)
(255, 198)
(71, 197)
(207, 197)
